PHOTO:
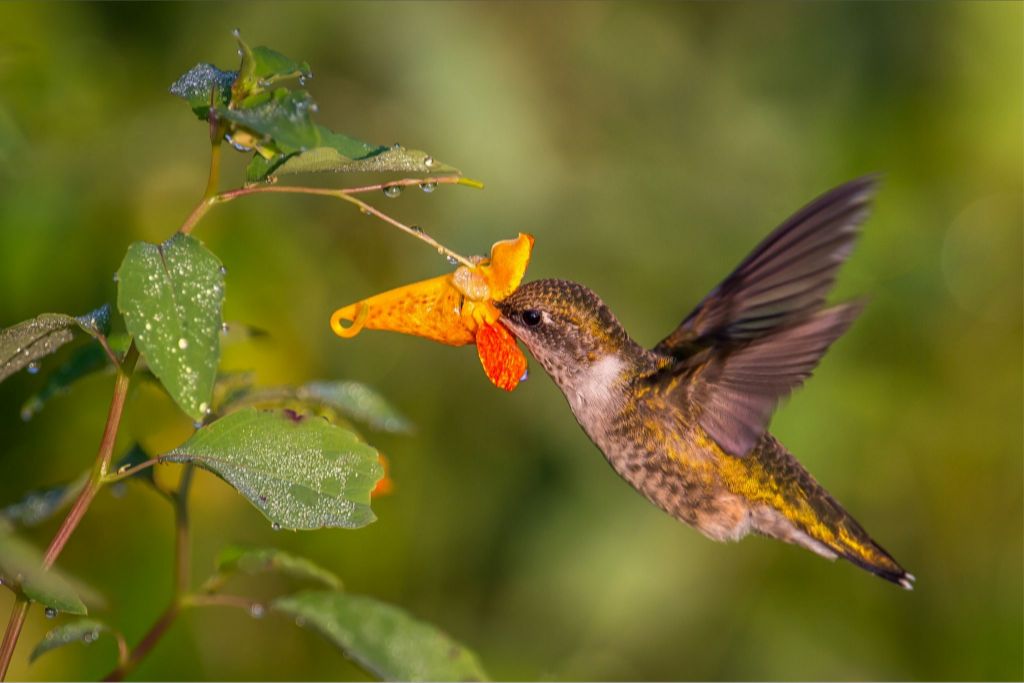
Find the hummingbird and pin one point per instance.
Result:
(685, 422)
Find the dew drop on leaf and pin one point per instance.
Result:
(50, 612)
(256, 610)
(428, 187)
(428, 162)
(275, 526)
(392, 191)
(32, 368)
(183, 343)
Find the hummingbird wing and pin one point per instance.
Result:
(736, 390)
(783, 279)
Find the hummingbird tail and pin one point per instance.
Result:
(823, 525)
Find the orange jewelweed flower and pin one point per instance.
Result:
(455, 309)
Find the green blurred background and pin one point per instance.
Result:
(647, 147)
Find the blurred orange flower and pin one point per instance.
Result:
(455, 309)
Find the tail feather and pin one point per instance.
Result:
(823, 524)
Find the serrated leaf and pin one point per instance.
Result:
(171, 296)
(197, 87)
(258, 560)
(83, 362)
(300, 472)
(35, 507)
(83, 631)
(383, 639)
(21, 566)
(30, 340)
(359, 402)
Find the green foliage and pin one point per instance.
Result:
(171, 295)
(21, 569)
(234, 559)
(83, 362)
(385, 640)
(300, 472)
(84, 631)
(276, 123)
(23, 344)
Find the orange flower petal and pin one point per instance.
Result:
(431, 308)
(501, 357)
(386, 485)
(509, 259)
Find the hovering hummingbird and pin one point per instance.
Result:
(685, 423)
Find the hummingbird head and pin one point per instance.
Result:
(570, 331)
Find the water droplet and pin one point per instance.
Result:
(148, 327)
(224, 328)
(314, 107)
(26, 414)
(223, 270)
(198, 424)
(183, 343)
(204, 408)
(276, 526)
(365, 211)
(237, 33)
(32, 368)
(417, 229)
(428, 187)
(428, 162)
(392, 191)
(90, 636)
(397, 147)
(526, 375)
(302, 80)
(116, 277)
(452, 260)
(50, 612)
(256, 610)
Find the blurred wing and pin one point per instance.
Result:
(738, 391)
(785, 278)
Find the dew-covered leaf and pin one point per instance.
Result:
(383, 639)
(359, 402)
(332, 157)
(84, 361)
(83, 631)
(21, 565)
(300, 472)
(171, 296)
(35, 507)
(251, 561)
(197, 87)
(24, 343)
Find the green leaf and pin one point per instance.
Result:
(300, 472)
(359, 402)
(331, 157)
(252, 561)
(197, 87)
(84, 361)
(36, 507)
(84, 631)
(261, 67)
(21, 567)
(171, 296)
(383, 639)
(26, 342)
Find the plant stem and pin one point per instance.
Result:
(131, 471)
(14, 625)
(85, 498)
(148, 642)
(344, 194)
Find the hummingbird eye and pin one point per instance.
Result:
(531, 317)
